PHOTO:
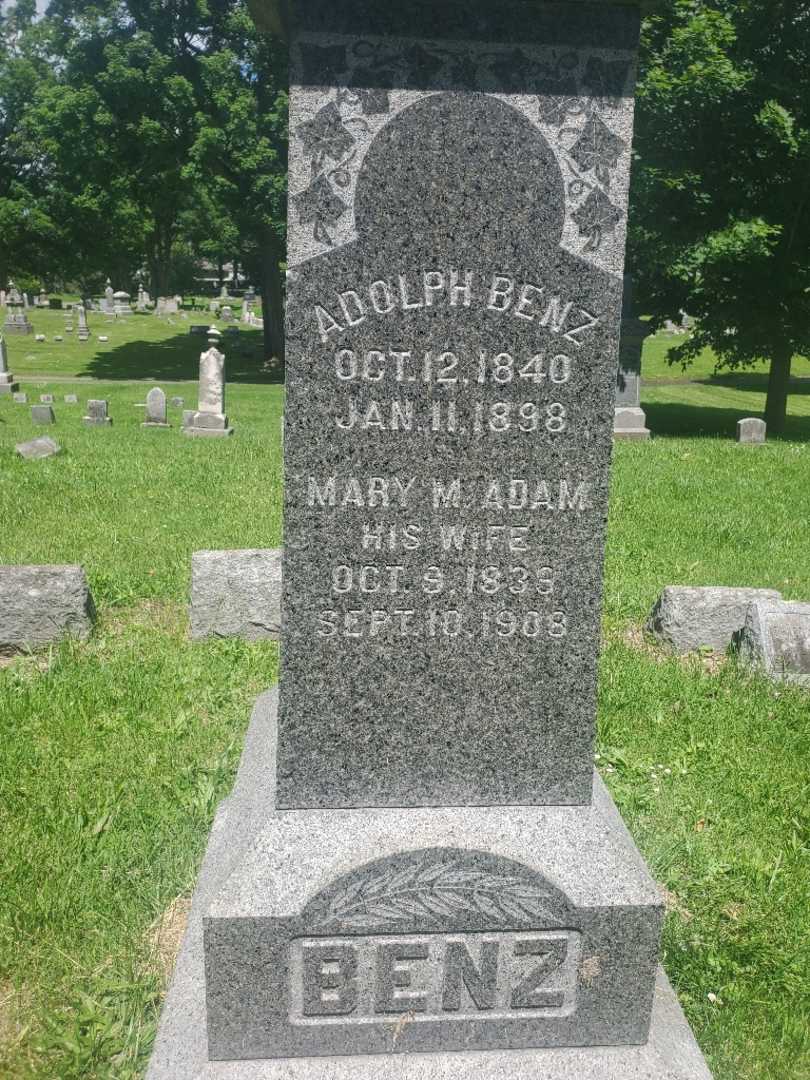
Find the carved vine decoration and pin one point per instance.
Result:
(370, 70)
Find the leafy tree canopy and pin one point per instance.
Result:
(720, 223)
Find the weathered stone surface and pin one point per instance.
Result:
(96, 413)
(20, 399)
(751, 430)
(181, 1047)
(46, 399)
(776, 640)
(210, 420)
(7, 383)
(630, 424)
(42, 414)
(41, 604)
(440, 913)
(694, 617)
(34, 449)
(236, 594)
(156, 413)
(453, 328)
(71, 399)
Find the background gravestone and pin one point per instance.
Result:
(451, 877)
(236, 594)
(156, 412)
(42, 414)
(775, 639)
(751, 431)
(210, 420)
(7, 383)
(35, 449)
(96, 413)
(41, 604)
(690, 617)
(629, 421)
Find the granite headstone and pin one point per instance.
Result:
(629, 421)
(775, 640)
(236, 594)
(418, 859)
(156, 415)
(36, 449)
(210, 420)
(97, 413)
(751, 431)
(7, 383)
(42, 414)
(686, 618)
(83, 333)
(41, 604)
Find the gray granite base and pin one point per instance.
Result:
(207, 433)
(630, 424)
(181, 1051)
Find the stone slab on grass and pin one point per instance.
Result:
(686, 618)
(236, 594)
(35, 449)
(776, 640)
(41, 604)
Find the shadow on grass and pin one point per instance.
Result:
(754, 381)
(178, 358)
(684, 421)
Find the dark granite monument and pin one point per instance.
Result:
(418, 874)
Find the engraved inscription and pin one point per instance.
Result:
(376, 978)
(414, 291)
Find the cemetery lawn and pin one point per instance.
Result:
(116, 752)
(139, 347)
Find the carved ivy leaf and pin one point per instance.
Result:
(605, 80)
(322, 64)
(597, 149)
(556, 110)
(440, 891)
(596, 217)
(325, 136)
(320, 206)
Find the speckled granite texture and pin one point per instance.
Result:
(181, 1049)
(456, 245)
(418, 874)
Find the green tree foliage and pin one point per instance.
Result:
(159, 129)
(238, 163)
(720, 223)
(26, 229)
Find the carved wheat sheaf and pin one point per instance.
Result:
(440, 891)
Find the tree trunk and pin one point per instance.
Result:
(778, 388)
(273, 298)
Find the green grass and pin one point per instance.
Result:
(691, 409)
(132, 503)
(655, 364)
(116, 752)
(139, 347)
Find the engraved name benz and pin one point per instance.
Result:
(432, 975)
